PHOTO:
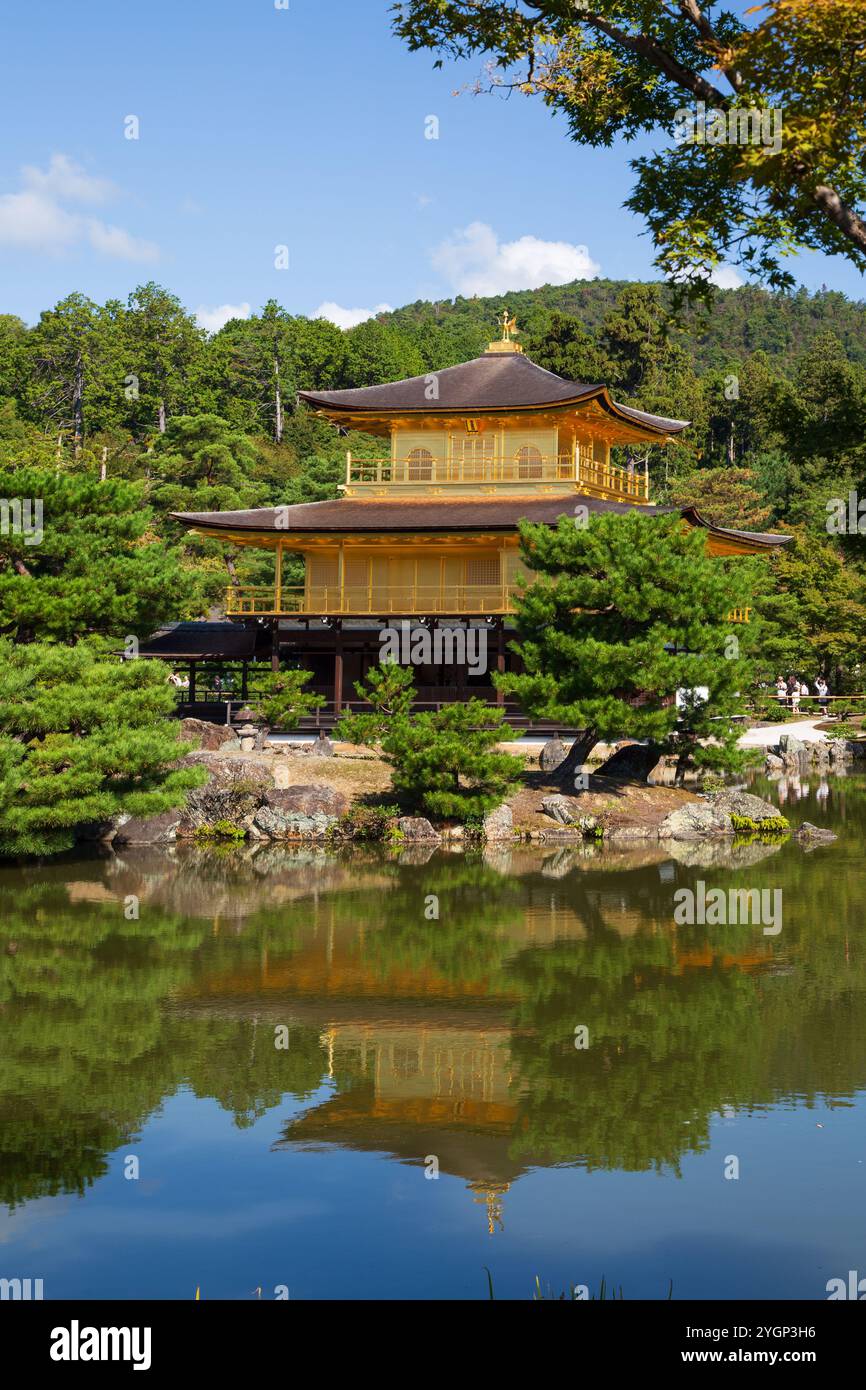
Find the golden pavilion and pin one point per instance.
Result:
(426, 532)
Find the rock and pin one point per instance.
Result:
(789, 743)
(794, 753)
(235, 790)
(415, 828)
(552, 754)
(814, 834)
(695, 821)
(711, 817)
(277, 824)
(316, 799)
(101, 832)
(773, 763)
(248, 745)
(740, 803)
(632, 763)
(210, 737)
(320, 747)
(499, 824)
(299, 812)
(149, 830)
(564, 809)
(618, 834)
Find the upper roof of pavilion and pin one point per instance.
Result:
(502, 381)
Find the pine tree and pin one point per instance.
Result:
(96, 569)
(444, 762)
(281, 698)
(626, 612)
(82, 739)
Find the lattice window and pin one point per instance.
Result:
(323, 571)
(483, 570)
(420, 463)
(473, 456)
(528, 462)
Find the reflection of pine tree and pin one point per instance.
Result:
(91, 1049)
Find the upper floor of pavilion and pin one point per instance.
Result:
(498, 425)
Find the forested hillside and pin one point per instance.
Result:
(121, 413)
(739, 322)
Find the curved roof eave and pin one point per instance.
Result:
(629, 415)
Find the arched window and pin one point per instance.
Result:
(420, 463)
(528, 462)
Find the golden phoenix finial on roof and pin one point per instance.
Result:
(509, 326)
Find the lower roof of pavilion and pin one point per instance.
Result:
(378, 520)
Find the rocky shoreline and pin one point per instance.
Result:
(263, 791)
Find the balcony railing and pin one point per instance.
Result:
(608, 479)
(323, 601)
(403, 600)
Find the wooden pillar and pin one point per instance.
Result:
(338, 668)
(192, 682)
(275, 644)
(500, 657)
(278, 580)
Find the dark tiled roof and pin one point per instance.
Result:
(201, 641)
(351, 515)
(403, 514)
(496, 381)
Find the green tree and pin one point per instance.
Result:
(70, 371)
(621, 68)
(390, 691)
(163, 350)
(445, 762)
(282, 699)
(13, 340)
(378, 352)
(82, 740)
(725, 496)
(626, 612)
(814, 613)
(563, 346)
(95, 569)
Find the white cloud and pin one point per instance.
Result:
(35, 218)
(474, 261)
(726, 278)
(114, 241)
(66, 180)
(33, 221)
(213, 319)
(347, 318)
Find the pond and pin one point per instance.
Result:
(373, 1074)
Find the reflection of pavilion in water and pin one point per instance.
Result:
(421, 1060)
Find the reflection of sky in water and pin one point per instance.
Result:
(410, 1038)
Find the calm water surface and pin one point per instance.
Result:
(414, 1042)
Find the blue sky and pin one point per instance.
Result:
(304, 127)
